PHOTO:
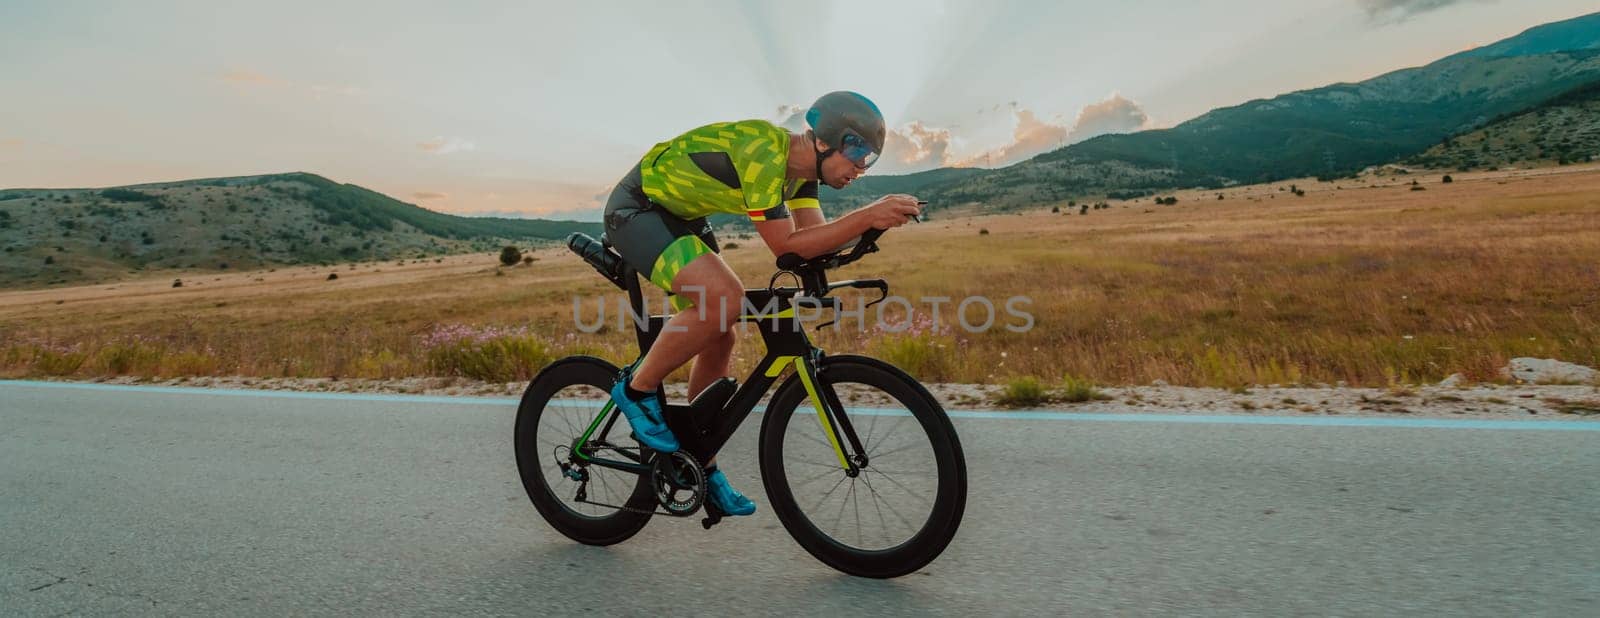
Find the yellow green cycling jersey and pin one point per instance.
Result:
(726, 167)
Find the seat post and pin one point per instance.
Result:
(641, 320)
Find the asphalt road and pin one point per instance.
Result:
(148, 502)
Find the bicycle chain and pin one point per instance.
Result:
(583, 491)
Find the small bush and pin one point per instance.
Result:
(128, 195)
(983, 231)
(731, 245)
(927, 358)
(1448, 179)
(188, 364)
(382, 364)
(527, 260)
(128, 358)
(332, 276)
(58, 363)
(1023, 391)
(510, 255)
(177, 283)
(1079, 390)
(502, 359)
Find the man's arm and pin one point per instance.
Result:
(805, 218)
(782, 236)
(806, 208)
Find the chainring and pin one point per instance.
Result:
(679, 482)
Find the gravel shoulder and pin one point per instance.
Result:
(1465, 401)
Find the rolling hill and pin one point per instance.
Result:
(1330, 131)
(1563, 130)
(53, 236)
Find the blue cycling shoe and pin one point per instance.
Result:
(644, 415)
(725, 497)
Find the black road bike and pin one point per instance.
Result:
(859, 461)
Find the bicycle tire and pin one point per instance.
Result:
(608, 530)
(947, 507)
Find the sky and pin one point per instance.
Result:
(538, 108)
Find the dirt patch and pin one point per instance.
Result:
(1476, 401)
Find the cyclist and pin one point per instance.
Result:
(656, 219)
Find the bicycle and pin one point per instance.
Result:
(568, 443)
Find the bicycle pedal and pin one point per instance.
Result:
(713, 516)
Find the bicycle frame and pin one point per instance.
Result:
(706, 424)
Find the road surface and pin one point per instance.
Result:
(153, 501)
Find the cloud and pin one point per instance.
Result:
(1030, 137)
(1033, 136)
(430, 195)
(792, 117)
(1116, 114)
(1393, 11)
(915, 147)
(444, 145)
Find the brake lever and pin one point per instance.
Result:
(876, 284)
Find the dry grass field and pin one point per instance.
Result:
(1368, 281)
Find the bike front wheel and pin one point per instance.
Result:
(902, 508)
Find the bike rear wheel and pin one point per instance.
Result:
(905, 505)
(557, 409)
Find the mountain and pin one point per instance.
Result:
(1564, 130)
(1330, 131)
(1573, 34)
(76, 235)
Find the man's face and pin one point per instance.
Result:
(838, 171)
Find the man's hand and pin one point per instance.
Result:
(892, 211)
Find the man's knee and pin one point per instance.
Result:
(725, 340)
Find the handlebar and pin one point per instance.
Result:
(813, 276)
(868, 243)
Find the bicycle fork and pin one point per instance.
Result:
(830, 415)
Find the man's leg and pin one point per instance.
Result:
(697, 328)
(713, 362)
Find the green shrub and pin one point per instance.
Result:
(926, 357)
(1022, 392)
(1079, 390)
(188, 364)
(57, 363)
(128, 358)
(503, 359)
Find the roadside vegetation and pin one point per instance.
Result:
(1359, 281)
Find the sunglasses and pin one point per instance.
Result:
(855, 148)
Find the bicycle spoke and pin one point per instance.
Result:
(885, 436)
(884, 524)
(844, 502)
(830, 492)
(892, 508)
(895, 450)
(817, 440)
(908, 490)
(814, 479)
(857, 502)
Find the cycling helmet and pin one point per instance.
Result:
(847, 123)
